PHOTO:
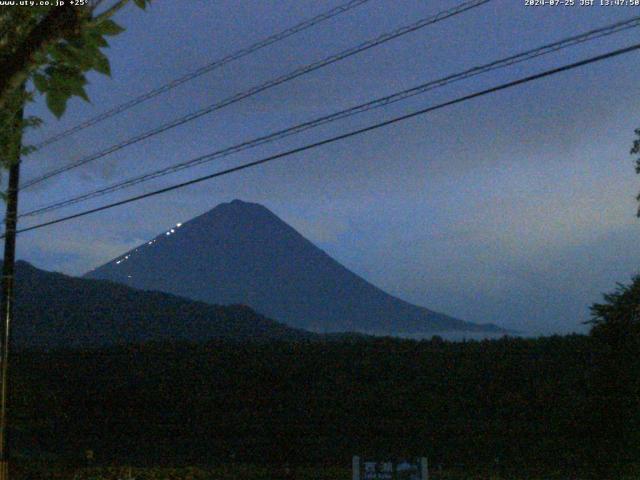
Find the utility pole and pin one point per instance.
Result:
(6, 305)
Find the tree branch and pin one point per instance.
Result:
(111, 11)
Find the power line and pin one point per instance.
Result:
(377, 103)
(343, 136)
(304, 25)
(443, 15)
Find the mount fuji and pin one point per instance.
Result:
(242, 253)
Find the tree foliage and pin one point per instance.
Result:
(635, 150)
(48, 50)
(314, 402)
(616, 321)
(616, 377)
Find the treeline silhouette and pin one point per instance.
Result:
(531, 406)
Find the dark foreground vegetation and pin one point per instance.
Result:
(558, 407)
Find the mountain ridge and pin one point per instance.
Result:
(240, 252)
(53, 310)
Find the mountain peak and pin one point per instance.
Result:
(237, 203)
(242, 253)
(239, 209)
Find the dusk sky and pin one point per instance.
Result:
(517, 208)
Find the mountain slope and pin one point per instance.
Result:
(55, 310)
(242, 253)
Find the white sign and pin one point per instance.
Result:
(390, 470)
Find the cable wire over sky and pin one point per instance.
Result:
(442, 15)
(203, 70)
(377, 103)
(504, 86)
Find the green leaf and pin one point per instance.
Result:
(66, 79)
(85, 56)
(41, 82)
(74, 78)
(27, 150)
(95, 38)
(109, 27)
(141, 4)
(57, 102)
(101, 64)
(68, 82)
(61, 53)
(81, 92)
(79, 54)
